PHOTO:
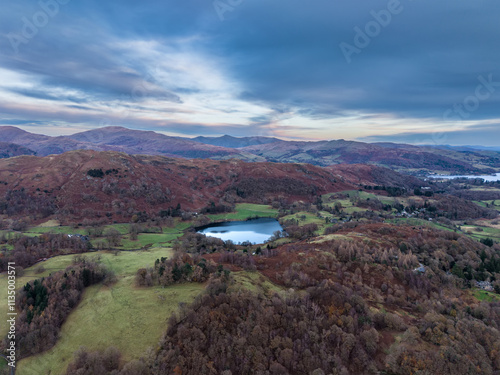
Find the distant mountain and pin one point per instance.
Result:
(115, 138)
(468, 148)
(11, 134)
(152, 143)
(8, 150)
(234, 142)
(42, 144)
(418, 160)
(395, 156)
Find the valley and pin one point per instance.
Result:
(360, 230)
(240, 187)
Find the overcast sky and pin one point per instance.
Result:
(418, 71)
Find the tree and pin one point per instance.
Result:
(487, 241)
(113, 237)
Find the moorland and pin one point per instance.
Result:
(377, 270)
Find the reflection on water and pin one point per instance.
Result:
(488, 178)
(254, 231)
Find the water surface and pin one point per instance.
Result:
(489, 178)
(255, 231)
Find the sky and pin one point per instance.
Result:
(413, 71)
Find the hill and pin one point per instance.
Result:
(394, 156)
(235, 142)
(42, 144)
(370, 175)
(417, 160)
(8, 150)
(115, 186)
(152, 143)
(114, 138)
(362, 280)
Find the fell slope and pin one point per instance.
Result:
(152, 143)
(371, 175)
(8, 150)
(399, 157)
(81, 184)
(235, 142)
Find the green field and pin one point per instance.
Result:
(125, 263)
(66, 229)
(362, 195)
(489, 204)
(350, 208)
(483, 295)
(120, 315)
(243, 211)
(246, 210)
(144, 239)
(305, 217)
(486, 232)
(418, 222)
(3, 364)
(128, 318)
(347, 205)
(56, 230)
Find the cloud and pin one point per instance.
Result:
(272, 68)
(41, 94)
(19, 122)
(484, 135)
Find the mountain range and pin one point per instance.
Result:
(418, 160)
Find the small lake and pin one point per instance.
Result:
(488, 178)
(255, 231)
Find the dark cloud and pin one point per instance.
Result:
(485, 135)
(79, 107)
(284, 54)
(40, 94)
(20, 122)
(428, 58)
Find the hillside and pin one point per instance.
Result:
(43, 145)
(371, 274)
(119, 139)
(152, 143)
(115, 186)
(400, 157)
(85, 184)
(394, 156)
(8, 150)
(371, 175)
(235, 142)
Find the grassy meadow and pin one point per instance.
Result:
(245, 211)
(121, 315)
(483, 295)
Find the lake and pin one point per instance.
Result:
(488, 178)
(255, 231)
